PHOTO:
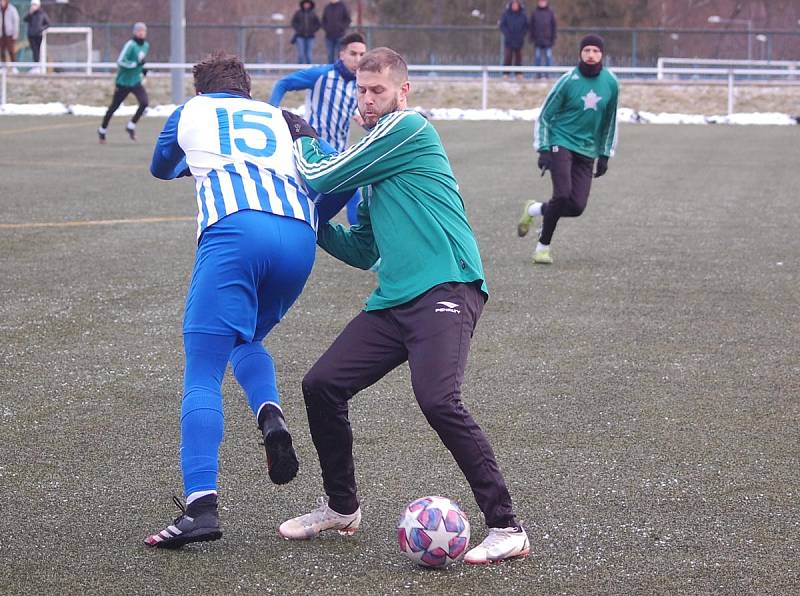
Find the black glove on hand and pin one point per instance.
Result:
(545, 160)
(144, 72)
(298, 127)
(602, 166)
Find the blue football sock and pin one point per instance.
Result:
(255, 371)
(201, 410)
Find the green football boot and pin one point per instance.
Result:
(543, 257)
(525, 220)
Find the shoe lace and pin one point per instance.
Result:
(495, 537)
(179, 504)
(319, 514)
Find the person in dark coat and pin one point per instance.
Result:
(305, 23)
(543, 33)
(514, 27)
(335, 21)
(38, 21)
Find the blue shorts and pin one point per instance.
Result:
(249, 269)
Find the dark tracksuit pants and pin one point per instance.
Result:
(571, 174)
(434, 338)
(512, 57)
(120, 93)
(35, 42)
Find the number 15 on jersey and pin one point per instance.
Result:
(233, 126)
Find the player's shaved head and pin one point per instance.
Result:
(221, 72)
(380, 59)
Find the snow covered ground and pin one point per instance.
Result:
(623, 114)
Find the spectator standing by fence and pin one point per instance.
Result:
(38, 21)
(335, 21)
(543, 34)
(9, 31)
(305, 23)
(514, 27)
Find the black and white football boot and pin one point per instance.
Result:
(282, 464)
(198, 522)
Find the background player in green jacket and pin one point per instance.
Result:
(577, 124)
(430, 293)
(129, 80)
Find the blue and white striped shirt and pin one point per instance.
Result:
(331, 100)
(240, 153)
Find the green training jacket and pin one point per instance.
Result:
(580, 113)
(131, 63)
(411, 215)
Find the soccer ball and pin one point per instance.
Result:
(433, 531)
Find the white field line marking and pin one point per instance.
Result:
(38, 128)
(97, 222)
(86, 164)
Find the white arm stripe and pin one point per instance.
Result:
(312, 171)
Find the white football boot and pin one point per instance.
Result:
(321, 519)
(500, 545)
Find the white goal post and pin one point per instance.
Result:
(86, 32)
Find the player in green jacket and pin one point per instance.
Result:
(430, 293)
(129, 80)
(577, 124)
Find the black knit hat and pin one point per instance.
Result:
(592, 40)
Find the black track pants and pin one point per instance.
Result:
(571, 174)
(120, 93)
(432, 332)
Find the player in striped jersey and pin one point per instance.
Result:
(256, 243)
(430, 294)
(331, 98)
(577, 124)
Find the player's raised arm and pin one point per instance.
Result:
(302, 79)
(381, 153)
(169, 160)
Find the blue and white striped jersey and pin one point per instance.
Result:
(331, 100)
(240, 153)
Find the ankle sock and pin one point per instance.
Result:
(535, 209)
(201, 498)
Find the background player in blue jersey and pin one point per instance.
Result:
(331, 101)
(256, 246)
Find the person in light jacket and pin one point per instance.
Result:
(9, 31)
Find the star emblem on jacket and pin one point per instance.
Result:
(590, 100)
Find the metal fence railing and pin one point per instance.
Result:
(459, 45)
(749, 73)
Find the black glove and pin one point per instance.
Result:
(545, 161)
(298, 127)
(602, 166)
(144, 72)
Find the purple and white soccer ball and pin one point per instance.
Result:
(433, 531)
